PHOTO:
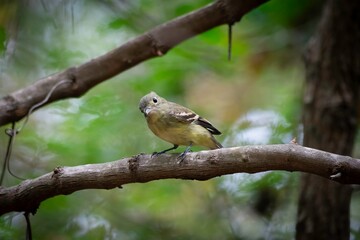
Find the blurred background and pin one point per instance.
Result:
(255, 98)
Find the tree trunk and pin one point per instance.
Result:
(330, 117)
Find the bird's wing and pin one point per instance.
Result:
(206, 124)
(182, 114)
(185, 115)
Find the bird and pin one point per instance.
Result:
(177, 124)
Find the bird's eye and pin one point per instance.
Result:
(155, 100)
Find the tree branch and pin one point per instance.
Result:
(203, 165)
(154, 43)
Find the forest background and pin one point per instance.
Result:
(256, 98)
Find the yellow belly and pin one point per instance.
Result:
(183, 134)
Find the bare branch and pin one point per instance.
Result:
(203, 165)
(154, 43)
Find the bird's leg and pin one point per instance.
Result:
(164, 151)
(181, 157)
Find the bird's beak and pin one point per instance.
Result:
(146, 111)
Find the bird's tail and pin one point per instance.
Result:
(216, 144)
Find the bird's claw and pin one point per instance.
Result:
(182, 156)
(154, 154)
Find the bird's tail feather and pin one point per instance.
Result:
(216, 144)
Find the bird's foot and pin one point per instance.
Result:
(154, 154)
(182, 156)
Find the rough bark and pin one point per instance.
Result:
(203, 165)
(330, 117)
(157, 42)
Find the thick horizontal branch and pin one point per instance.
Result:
(156, 42)
(203, 165)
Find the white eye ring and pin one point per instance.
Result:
(155, 100)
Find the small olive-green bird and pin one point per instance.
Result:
(177, 124)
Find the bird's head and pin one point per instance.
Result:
(149, 102)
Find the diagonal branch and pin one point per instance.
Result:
(203, 165)
(152, 44)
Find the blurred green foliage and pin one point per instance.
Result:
(254, 99)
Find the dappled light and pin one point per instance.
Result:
(254, 99)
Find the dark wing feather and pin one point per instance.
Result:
(206, 124)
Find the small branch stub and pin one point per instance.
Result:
(57, 172)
